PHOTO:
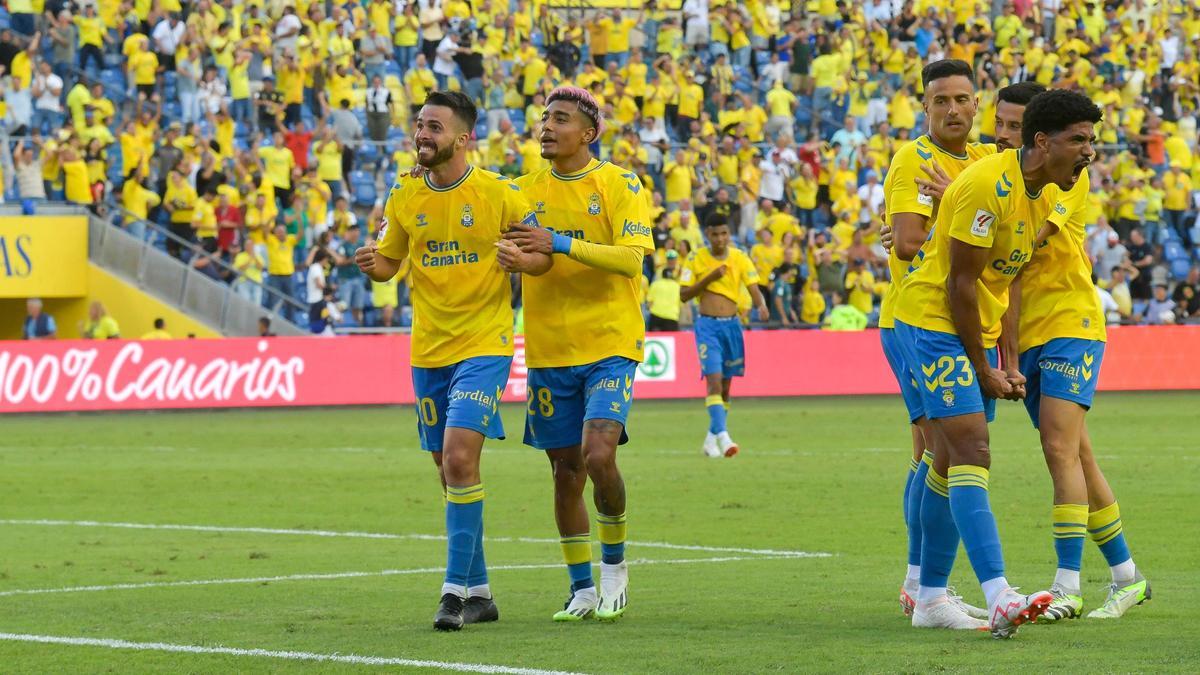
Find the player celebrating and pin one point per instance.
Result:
(584, 338)
(717, 274)
(948, 320)
(950, 107)
(1060, 338)
(448, 221)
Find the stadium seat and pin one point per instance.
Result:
(1180, 267)
(365, 195)
(362, 185)
(1173, 251)
(1168, 234)
(1195, 234)
(368, 153)
(481, 129)
(172, 110)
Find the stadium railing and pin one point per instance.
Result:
(137, 259)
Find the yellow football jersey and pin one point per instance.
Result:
(461, 298)
(986, 206)
(739, 274)
(1058, 298)
(576, 314)
(901, 196)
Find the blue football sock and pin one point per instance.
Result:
(612, 538)
(477, 575)
(1069, 522)
(464, 518)
(973, 516)
(577, 553)
(716, 414)
(1107, 531)
(939, 536)
(912, 511)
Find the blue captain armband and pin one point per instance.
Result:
(561, 243)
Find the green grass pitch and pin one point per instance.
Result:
(815, 475)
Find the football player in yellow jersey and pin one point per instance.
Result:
(584, 335)
(950, 108)
(948, 318)
(448, 222)
(717, 275)
(1060, 338)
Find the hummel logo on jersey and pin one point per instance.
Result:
(1002, 191)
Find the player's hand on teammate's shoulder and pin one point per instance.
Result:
(364, 257)
(994, 383)
(530, 239)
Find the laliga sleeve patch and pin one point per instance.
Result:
(981, 226)
(925, 200)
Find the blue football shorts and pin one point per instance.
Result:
(560, 400)
(945, 377)
(465, 395)
(720, 346)
(1063, 368)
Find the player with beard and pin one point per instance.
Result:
(584, 336)
(949, 318)
(448, 221)
(1056, 326)
(943, 152)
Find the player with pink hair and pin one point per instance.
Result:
(584, 336)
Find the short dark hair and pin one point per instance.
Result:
(1020, 93)
(1053, 111)
(946, 68)
(461, 104)
(715, 220)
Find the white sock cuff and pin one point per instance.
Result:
(460, 591)
(482, 591)
(930, 593)
(992, 588)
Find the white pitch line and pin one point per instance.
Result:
(355, 575)
(384, 535)
(275, 654)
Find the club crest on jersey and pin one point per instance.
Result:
(468, 217)
(948, 397)
(421, 220)
(539, 208)
(594, 205)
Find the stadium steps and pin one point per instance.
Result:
(138, 262)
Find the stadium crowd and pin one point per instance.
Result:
(260, 134)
